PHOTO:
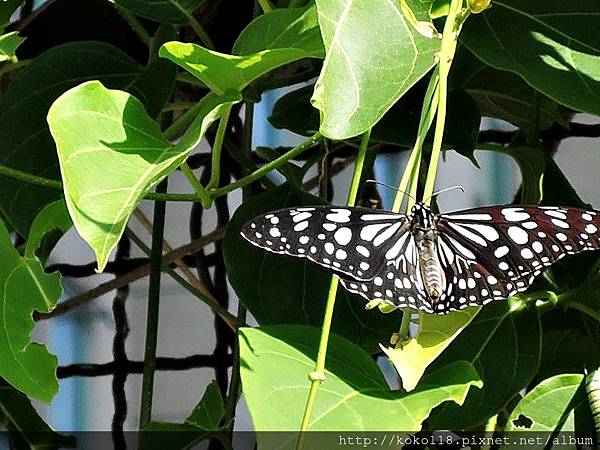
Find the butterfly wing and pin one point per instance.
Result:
(495, 252)
(398, 281)
(352, 242)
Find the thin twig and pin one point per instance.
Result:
(136, 274)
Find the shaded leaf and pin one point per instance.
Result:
(24, 288)
(176, 12)
(7, 9)
(280, 289)
(47, 228)
(398, 126)
(435, 334)
(503, 344)
(553, 45)
(283, 28)
(222, 72)
(274, 362)
(571, 343)
(365, 72)
(502, 94)
(112, 153)
(204, 419)
(556, 404)
(25, 140)
(26, 428)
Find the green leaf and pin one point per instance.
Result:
(222, 72)
(8, 46)
(274, 362)
(365, 70)
(24, 288)
(503, 344)
(26, 428)
(502, 94)
(205, 419)
(553, 45)
(7, 9)
(462, 123)
(25, 140)
(280, 289)
(435, 334)
(398, 126)
(47, 228)
(571, 343)
(556, 404)
(283, 28)
(112, 153)
(176, 12)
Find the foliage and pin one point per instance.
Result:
(94, 122)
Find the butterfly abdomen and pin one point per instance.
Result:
(432, 272)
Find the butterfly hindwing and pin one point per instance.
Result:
(399, 281)
(352, 242)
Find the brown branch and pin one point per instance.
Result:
(135, 274)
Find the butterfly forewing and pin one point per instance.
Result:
(485, 253)
(351, 241)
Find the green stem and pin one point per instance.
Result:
(445, 56)
(200, 190)
(411, 171)
(318, 375)
(261, 172)
(157, 196)
(153, 309)
(181, 124)
(265, 5)
(404, 331)
(135, 25)
(215, 168)
(199, 29)
(178, 106)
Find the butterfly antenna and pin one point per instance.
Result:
(391, 187)
(441, 191)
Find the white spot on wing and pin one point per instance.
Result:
(518, 235)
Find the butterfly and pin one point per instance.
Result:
(435, 263)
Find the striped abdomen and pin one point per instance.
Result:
(430, 267)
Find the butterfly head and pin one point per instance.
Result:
(422, 217)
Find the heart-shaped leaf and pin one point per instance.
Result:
(552, 44)
(112, 153)
(355, 397)
(366, 70)
(25, 140)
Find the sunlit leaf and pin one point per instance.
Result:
(355, 396)
(24, 288)
(112, 153)
(366, 71)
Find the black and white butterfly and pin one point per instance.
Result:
(434, 263)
